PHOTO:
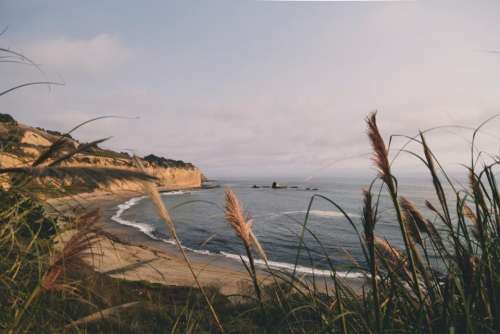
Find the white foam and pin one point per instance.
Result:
(321, 213)
(145, 228)
(148, 230)
(197, 251)
(176, 192)
(299, 269)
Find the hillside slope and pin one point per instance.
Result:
(20, 145)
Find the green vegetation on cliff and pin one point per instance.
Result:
(164, 162)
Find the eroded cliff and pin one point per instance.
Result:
(21, 145)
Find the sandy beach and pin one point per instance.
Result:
(128, 254)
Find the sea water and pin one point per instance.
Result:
(278, 217)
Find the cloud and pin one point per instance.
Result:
(286, 96)
(102, 53)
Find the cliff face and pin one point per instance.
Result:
(21, 145)
(167, 177)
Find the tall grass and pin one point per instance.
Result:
(443, 280)
(408, 290)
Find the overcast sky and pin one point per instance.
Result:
(244, 88)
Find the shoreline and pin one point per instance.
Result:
(128, 253)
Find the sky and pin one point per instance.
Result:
(258, 88)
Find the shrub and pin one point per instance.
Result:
(6, 118)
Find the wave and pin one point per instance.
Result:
(151, 232)
(174, 192)
(144, 228)
(147, 229)
(321, 213)
(299, 269)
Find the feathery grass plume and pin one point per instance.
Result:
(162, 211)
(469, 214)
(432, 232)
(467, 211)
(78, 247)
(413, 219)
(446, 217)
(236, 218)
(380, 154)
(479, 224)
(483, 216)
(240, 223)
(381, 161)
(80, 149)
(49, 152)
(69, 258)
(431, 207)
(386, 250)
(416, 223)
(435, 236)
(412, 210)
(61, 142)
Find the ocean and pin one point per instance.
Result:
(278, 216)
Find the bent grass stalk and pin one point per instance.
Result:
(69, 258)
(154, 195)
(369, 221)
(381, 161)
(242, 226)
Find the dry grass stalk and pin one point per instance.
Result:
(241, 223)
(414, 220)
(236, 218)
(71, 257)
(162, 211)
(369, 221)
(434, 235)
(368, 214)
(75, 250)
(101, 314)
(428, 156)
(429, 228)
(386, 250)
(381, 160)
(469, 214)
(431, 207)
(410, 207)
(380, 157)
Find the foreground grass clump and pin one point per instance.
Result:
(445, 278)
(40, 293)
